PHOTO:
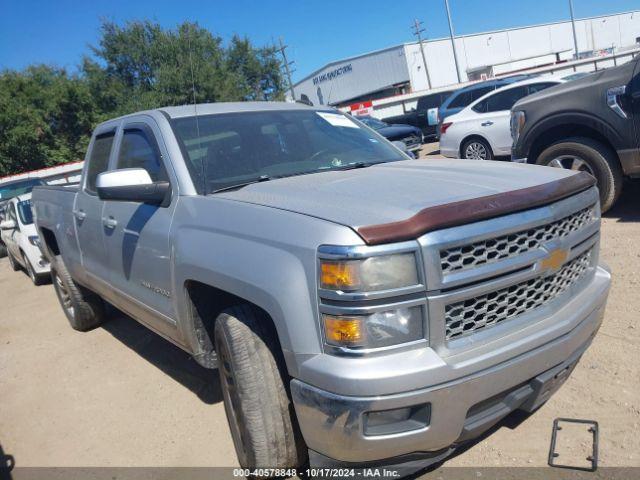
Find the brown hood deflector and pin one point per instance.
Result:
(475, 209)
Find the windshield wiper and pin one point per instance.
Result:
(351, 166)
(261, 178)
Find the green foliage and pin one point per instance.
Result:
(47, 114)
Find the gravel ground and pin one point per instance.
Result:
(122, 396)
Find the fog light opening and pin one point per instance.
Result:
(397, 420)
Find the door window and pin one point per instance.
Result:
(99, 159)
(505, 99)
(461, 100)
(536, 87)
(138, 150)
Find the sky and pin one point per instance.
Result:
(59, 32)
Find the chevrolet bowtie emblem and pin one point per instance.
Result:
(555, 259)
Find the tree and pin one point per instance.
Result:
(47, 114)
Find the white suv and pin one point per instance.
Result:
(20, 236)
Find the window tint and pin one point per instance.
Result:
(504, 100)
(461, 100)
(430, 101)
(99, 159)
(536, 87)
(139, 151)
(25, 212)
(480, 92)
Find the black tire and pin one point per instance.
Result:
(84, 309)
(478, 145)
(3, 250)
(37, 279)
(254, 385)
(15, 266)
(593, 157)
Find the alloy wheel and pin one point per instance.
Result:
(475, 151)
(65, 298)
(571, 162)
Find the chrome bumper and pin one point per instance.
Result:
(333, 425)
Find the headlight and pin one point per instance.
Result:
(518, 119)
(380, 329)
(382, 272)
(34, 240)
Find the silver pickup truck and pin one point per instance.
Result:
(362, 308)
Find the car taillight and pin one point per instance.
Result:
(444, 127)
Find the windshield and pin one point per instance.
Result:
(230, 149)
(18, 188)
(25, 213)
(373, 123)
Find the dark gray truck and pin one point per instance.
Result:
(591, 124)
(362, 308)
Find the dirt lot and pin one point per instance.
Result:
(121, 396)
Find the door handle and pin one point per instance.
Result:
(80, 214)
(109, 222)
(487, 123)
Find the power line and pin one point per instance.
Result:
(417, 30)
(287, 67)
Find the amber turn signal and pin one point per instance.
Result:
(339, 275)
(344, 331)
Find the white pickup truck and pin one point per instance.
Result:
(362, 308)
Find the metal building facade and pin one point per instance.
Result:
(400, 69)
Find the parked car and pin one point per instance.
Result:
(466, 95)
(418, 116)
(8, 191)
(481, 130)
(20, 236)
(361, 307)
(410, 136)
(590, 124)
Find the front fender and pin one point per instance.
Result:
(583, 119)
(260, 254)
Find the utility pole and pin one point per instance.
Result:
(573, 25)
(287, 68)
(453, 43)
(417, 27)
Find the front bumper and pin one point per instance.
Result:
(333, 425)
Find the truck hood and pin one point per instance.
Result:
(394, 191)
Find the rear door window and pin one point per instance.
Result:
(504, 100)
(536, 87)
(98, 159)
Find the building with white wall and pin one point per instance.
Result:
(400, 69)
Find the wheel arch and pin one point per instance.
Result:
(557, 127)
(474, 136)
(204, 303)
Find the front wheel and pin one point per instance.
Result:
(254, 383)
(595, 158)
(476, 149)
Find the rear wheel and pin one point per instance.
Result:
(587, 155)
(476, 149)
(254, 386)
(83, 308)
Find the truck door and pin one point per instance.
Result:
(87, 213)
(137, 237)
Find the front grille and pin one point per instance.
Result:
(507, 246)
(470, 315)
